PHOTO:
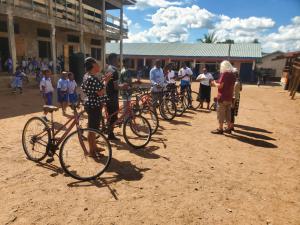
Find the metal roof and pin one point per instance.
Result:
(196, 50)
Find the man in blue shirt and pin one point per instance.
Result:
(157, 80)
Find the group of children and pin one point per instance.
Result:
(66, 90)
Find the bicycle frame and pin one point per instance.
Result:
(70, 124)
(128, 113)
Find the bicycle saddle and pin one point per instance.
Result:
(50, 108)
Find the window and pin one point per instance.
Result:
(44, 49)
(3, 27)
(43, 33)
(96, 53)
(73, 38)
(95, 42)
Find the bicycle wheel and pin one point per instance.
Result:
(167, 109)
(137, 132)
(35, 138)
(77, 160)
(152, 119)
(180, 106)
(195, 103)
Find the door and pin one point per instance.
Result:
(4, 53)
(246, 73)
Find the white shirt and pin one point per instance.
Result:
(171, 77)
(71, 86)
(205, 78)
(183, 72)
(46, 82)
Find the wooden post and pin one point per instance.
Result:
(82, 48)
(121, 35)
(103, 44)
(53, 46)
(11, 40)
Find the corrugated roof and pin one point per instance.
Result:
(239, 50)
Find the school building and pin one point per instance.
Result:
(46, 29)
(243, 56)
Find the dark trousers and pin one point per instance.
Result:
(188, 89)
(112, 109)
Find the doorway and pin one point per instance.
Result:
(4, 53)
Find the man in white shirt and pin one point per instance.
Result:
(185, 74)
(205, 79)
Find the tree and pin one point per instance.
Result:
(255, 41)
(209, 38)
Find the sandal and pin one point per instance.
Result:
(217, 131)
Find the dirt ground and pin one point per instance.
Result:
(186, 175)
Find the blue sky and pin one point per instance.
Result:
(275, 23)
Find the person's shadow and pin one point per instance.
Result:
(255, 139)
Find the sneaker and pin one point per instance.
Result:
(217, 131)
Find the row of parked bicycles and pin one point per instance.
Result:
(139, 120)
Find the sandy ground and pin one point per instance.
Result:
(185, 176)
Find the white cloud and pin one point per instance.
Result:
(287, 38)
(143, 4)
(242, 30)
(173, 24)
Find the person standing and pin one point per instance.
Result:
(236, 97)
(125, 84)
(94, 90)
(72, 85)
(205, 89)
(18, 80)
(46, 89)
(9, 65)
(185, 74)
(112, 92)
(225, 87)
(157, 80)
(62, 91)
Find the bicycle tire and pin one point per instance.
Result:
(153, 120)
(147, 138)
(180, 106)
(167, 109)
(70, 170)
(47, 136)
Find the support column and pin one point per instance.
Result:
(144, 62)
(53, 46)
(104, 35)
(121, 35)
(194, 63)
(12, 40)
(82, 47)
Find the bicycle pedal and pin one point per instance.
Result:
(50, 160)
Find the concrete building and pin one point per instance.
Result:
(243, 56)
(47, 29)
(268, 63)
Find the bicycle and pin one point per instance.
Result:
(167, 107)
(136, 128)
(40, 139)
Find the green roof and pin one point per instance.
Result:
(196, 50)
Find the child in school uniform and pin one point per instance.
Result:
(72, 85)
(62, 91)
(18, 80)
(46, 89)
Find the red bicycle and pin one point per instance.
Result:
(40, 139)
